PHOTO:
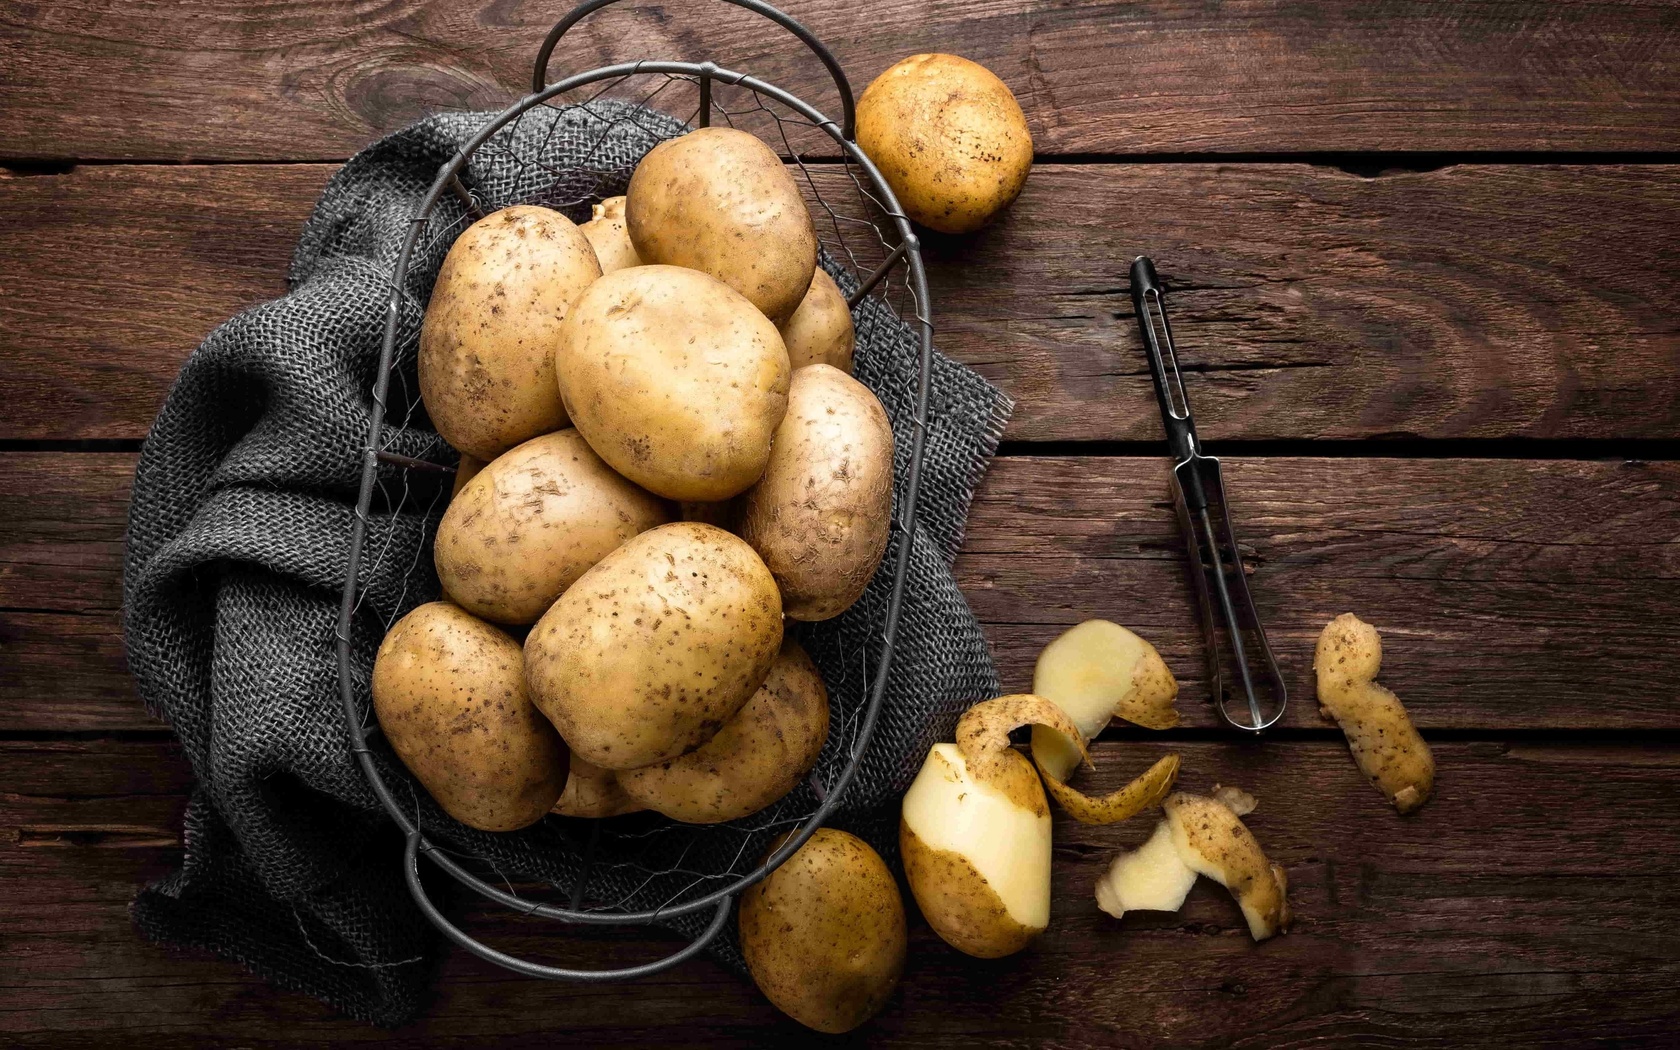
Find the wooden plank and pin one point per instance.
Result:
(1511, 594)
(318, 80)
(1528, 902)
(1473, 302)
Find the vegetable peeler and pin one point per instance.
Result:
(1208, 533)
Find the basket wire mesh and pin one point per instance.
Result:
(637, 869)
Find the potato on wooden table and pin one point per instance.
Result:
(675, 379)
(824, 934)
(532, 521)
(449, 692)
(949, 138)
(487, 341)
(720, 201)
(650, 652)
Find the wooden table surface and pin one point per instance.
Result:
(1426, 260)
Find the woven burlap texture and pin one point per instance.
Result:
(238, 545)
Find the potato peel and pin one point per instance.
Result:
(983, 735)
(1386, 745)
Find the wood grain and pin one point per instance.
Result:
(1472, 302)
(313, 79)
(1531, 901)
(1511, 594)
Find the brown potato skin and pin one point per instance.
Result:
(533, 521)
(609, 235)
(820, 332)
(949, 138)
(1214, 831)
(720, 201)
(824, 934)
(820, 516)
(1386, 745)
(675, 380)
(487, 341)
(758, 756)
(449, 693)
(956, 899)
(650, 652)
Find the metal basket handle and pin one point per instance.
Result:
(848, 105)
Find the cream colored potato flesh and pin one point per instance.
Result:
(1152, 877)
(1088, 672)
(1008, 846)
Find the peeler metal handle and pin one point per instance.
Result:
(1210, 537)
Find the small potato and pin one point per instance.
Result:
(824, 934)
(820, 331)
(757, 757)
(720, 201)
(465, 471)
(675, 380)
(610, 236)
(949, 138)
(650, 652)
(593, 792)
(487, 342)
(533, 521)
(449, 693)
(821, 515)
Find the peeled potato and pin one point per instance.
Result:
(609, 235)
(758, 756)
(1094, 672)
(949, 138)
(820, 331)
(976, 851)
(824, 934)
(486, 359)
(534, 520)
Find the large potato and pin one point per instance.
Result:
(449, 693)
(675, 380)
(610, 236)
(651, 651)
(824, 934)
(487, 341)
(820, 331)
(531, 522)
(949, 138)
(757, 757)
(721, 201)
(821, 514)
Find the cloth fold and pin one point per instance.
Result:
(238, 544)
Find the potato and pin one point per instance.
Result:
(758, 756)
(1200, 836)
(465, 471)
(820, 331)
(651, 651)
(1094, 672)
(1386, 746)
(487, 341)
(449, 693)
(593, 792)
(949, 138)
(675, 380)
(720, 201)
(977, 852)
(822, 513)
(610, 236)
(824, 934)
(533, 521)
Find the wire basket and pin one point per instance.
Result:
(640, 869)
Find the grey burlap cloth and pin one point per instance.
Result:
(237, 549)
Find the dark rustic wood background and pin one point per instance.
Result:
(1426, 260)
